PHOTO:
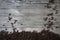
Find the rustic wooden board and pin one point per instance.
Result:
(29, 14)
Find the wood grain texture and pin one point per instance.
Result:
(29, 14)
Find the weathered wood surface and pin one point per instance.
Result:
(30, 13)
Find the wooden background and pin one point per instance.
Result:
(30, 13)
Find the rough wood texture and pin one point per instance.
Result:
(30, 13)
